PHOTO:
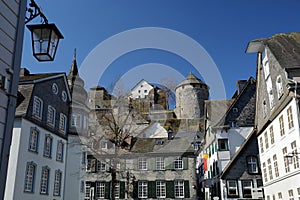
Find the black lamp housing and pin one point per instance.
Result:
(45, 38)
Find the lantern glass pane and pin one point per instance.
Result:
(41, 40)
(53, 43)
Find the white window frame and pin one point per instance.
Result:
(261, 144)
(281, 125)
(270, 169)
(179, 189)
(34, 140)
(291, 194)
(87, 190)
(51, 116)
(272, 139)
(60, 151)
(265, 175)
(245, 186)
(37, 108)
(290, 117)
(160, 189)
(48, 146)
(295, 156)
(57, 183)
(178, 163)
(160, 163)
(286, 161)
(142, 163)
(44, 189)
(62, 123)
(76, 120)
(117, 190)
(275, 164)
(252, 164)
(266, 140)
(100, 190)
(101, 166)
(30, 177)
(233, 187)
(143, 189)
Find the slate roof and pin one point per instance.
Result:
(24, 95)
(216, 109)
(191, 79)
(35, 77)
(174, 146)
(284, 46)
(234, 102)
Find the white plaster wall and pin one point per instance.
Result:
(75, 169)
(13, 161)
(141, 86)
(285, 181)
(23, 156)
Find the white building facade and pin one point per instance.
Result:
(277, 143)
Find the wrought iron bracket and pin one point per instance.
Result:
(33, 11)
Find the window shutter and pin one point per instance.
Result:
(107, 190)
(169, 162)
(93, 165)
(186, 189)
(185, 162)
(151, 189)
(122, 190)
(170, 189)
(135, 189)
(151, 163)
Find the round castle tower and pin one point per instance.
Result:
(190, 96)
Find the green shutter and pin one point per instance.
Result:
(170, 189)
(135, 189)
(186, 189)
(122, 190)
(107, 190)
(151, 189)
(185, 161)
(151, 164)
(169, 163)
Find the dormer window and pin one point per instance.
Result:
(37, 108)
(55, 88)
(64, 96)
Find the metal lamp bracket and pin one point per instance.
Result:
(34, 10)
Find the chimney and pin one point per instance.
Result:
(240, 84)
(24, 72)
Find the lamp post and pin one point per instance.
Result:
(45, 37)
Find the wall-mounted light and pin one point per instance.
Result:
(45, 37)
(291, 156)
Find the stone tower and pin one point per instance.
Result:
(190, 96)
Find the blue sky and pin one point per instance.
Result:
(222, 28)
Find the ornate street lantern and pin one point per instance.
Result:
(45, 38)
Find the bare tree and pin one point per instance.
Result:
(116, 121)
